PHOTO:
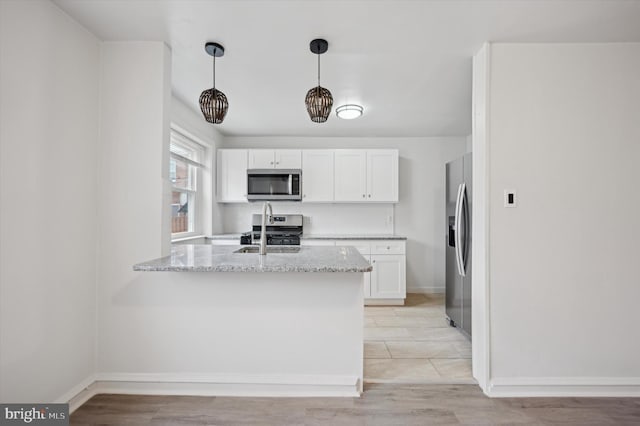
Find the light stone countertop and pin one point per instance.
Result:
(224, 237)
(352, 237)
(321, 237)
(211, 258)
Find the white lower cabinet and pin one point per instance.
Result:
(386, 284)
(388, 278)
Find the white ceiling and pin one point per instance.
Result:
(407, 62)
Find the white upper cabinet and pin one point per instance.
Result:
(317, 175)
(288, 159)
(328, 175)
(382, 175)
(232, 175)
(275, 159)
(366, 175)
(261, 159)
(350, 175)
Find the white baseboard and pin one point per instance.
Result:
(564, 387)
(383, 302)
(213, 385)
(426, 290)
(77, 395)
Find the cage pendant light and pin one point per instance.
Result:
(214, 103)
(319, 100)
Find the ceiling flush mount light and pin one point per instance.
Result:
(319, 100)
(214, 103)
(349, 111)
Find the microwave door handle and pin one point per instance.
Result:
(290, 183)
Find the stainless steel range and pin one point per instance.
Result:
(285, 230)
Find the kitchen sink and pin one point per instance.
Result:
(279, 249)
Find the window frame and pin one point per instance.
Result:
(184, 140)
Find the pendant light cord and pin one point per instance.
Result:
(214, 68)
(318, 70)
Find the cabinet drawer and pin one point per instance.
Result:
(388, 247)
(364, 247)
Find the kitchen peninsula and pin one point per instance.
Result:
(287, 323)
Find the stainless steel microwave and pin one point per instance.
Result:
(274, 184)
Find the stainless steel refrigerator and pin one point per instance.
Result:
(458, 243)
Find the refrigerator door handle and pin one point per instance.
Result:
(464, 250)
(458, 233)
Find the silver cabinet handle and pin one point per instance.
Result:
(373, 261)
(458, 226)
(277, 162)
(362, 195)
(304, 196)
(388, 248)
(369, 195)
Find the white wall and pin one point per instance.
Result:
(565, 133)
(419, 215)
(480, 219)
(49, 68)
(318, 218)
(193, 122)
(134, 215)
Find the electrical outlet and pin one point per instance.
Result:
(510, 200)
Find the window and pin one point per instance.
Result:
(185, 174)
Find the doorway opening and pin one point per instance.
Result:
(414, 343)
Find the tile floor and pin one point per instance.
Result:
(414, 344)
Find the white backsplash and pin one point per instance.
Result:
(318, 218)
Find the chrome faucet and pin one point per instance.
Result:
(263, 228)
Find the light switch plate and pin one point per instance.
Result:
(510, 199)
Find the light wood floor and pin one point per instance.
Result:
(414, 344)
(381, 404)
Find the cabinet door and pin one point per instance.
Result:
(388, 278)
(317, 175)
(288, 159)
(382, 175)
(261, 159)
(350, 175)
(232, 175)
